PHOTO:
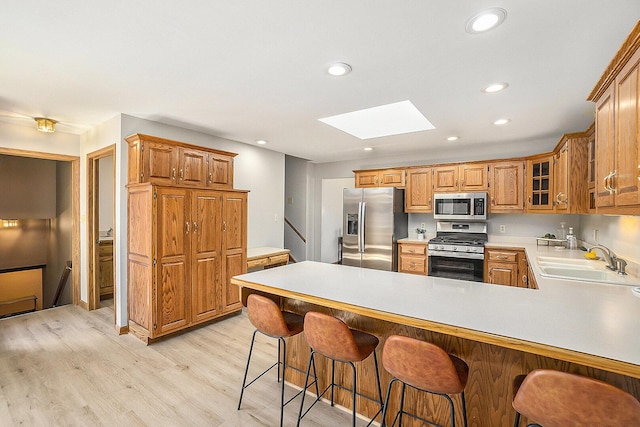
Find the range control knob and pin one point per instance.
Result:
(455, 248)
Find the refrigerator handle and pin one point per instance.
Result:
(361, 223)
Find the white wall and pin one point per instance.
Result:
(105, 203)
(331, 221)
(298, 183)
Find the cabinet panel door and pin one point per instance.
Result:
(193, 167)
(235, 264)
(419, 194)
(627, 135)
(234, 217)
(159, 163)
(392, 178)
(473, 177)
(507, 187)
(206, 245)
(445, 178)
(561, 179)
(540, 184)
(174, 228)
(220, 171)
(605, 148)
(367, 179)
(503, 274)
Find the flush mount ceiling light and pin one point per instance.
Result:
(45, 125)
(501, 122)
(495, 87)
(261, 141)
(486, 20)
(452, 138)
(368, 148)
(339, 69)
(385, 120)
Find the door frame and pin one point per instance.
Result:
(75, 211)
(93, 226)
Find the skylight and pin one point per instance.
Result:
(385, 120)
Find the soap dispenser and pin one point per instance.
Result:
(572, 241)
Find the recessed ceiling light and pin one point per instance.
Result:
(339, 69)
(384, 120)
(501, 122)
(261, 141)
(495, 87)
(452, 138)
(486, 20)
(368, 148)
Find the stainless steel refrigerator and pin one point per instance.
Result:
(373, 221)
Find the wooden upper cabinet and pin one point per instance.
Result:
(380, 178)
(165, 162)
(540, 183)
(418, 195)
(617, 145)
(466, 177)
(506, 187)
(571, 168)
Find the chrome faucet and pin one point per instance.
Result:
(609, 256)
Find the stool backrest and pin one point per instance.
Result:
(266, 316)
(421, 364)
(559, 399)
(330, 337)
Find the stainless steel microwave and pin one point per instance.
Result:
(460, 206)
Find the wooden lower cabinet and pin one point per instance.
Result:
(413, 258)
(105, 268)
(506, 266)
(184, 246)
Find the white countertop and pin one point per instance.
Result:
(591, 318)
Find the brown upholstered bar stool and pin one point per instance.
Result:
(332, 338)
(425, 367)
(559, 399)
(269, 320)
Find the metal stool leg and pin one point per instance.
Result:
(246, 370)
(306, 380)
(404, 388)
(385, 406)
(464, 409)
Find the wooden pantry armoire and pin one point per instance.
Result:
(187, 236)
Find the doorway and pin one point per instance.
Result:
(63, 235)
(101, 228)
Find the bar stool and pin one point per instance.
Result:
(332, 338)
(269, 320)
(559, 399)
(424, 367)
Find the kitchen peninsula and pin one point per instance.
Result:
(500, 331)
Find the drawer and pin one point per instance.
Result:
(410, 264)
(502, 256)
(279, 259)
(258, 262)
(413, 249)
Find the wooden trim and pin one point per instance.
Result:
(122, 330)
(177, 143)
(625, 52)
(598, 362)
(295, 230)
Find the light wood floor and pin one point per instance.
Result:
(67, 367)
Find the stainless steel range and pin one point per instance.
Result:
(457, 251)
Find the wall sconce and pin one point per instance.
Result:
(45, 125)
(9, 223)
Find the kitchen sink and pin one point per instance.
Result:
(582, 270)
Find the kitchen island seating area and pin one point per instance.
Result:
(424, 367)
(269, 320)
(560, 399)
(333, 339)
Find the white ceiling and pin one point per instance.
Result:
(251, 69)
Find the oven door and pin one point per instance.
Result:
(457, 266)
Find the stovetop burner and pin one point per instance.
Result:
(459, 240)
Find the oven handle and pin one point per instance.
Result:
(467, 255)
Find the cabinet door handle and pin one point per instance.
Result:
(186, 226)
(181, 174)
(529, 199)
(501, 257)
(612, 183)
(210, 177)
(195, 227)
(224, 225)
(173, 174)
(524, 279)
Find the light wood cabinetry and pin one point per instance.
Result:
(380, 178)
(165, 162)
(413, 258)
(184, 247)
(185, 240)
(591, 168)
(418, 195)
(506, 186)
(506, 266)
(540, 183)
(617, 146)
(105, 268)
(465, 178)
(571, 174)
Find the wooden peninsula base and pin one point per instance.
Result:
(494, 361)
